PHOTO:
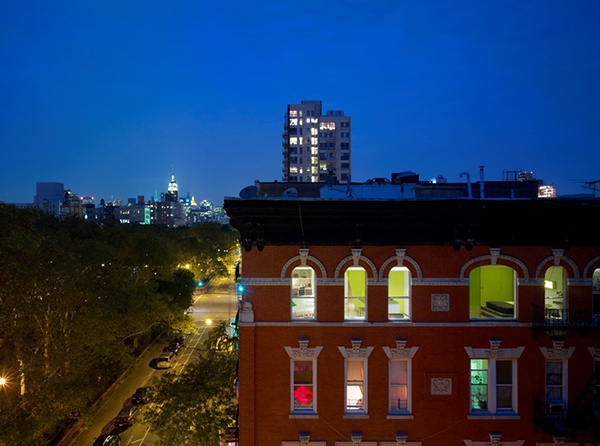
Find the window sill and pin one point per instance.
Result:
(307, 416)
(494, 416)
(356, 416)
(400, 416)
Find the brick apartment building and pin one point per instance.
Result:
(419, 322)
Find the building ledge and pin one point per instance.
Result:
(307, 416)
(494, 416)
(400, 416)
(356, 416)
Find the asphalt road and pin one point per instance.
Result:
(219, 303)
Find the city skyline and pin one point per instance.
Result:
(108, 99)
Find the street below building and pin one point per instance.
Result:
(218, 303)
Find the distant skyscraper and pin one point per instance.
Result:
(172, 188)
(315, 145)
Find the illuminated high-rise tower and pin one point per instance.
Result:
(172, 188)
(315, 145)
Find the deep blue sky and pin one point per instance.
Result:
(108, 96)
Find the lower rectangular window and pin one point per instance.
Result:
(492, 386)
(355, 386)
(303, 386)
(398, 386)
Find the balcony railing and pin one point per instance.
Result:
(551, 418)
(557, 319)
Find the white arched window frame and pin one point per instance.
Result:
(399, 290)
(304, 293)
(355, 293)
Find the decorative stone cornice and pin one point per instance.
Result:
(356, 351)
(558, 352)
(400, 253)
(303, 256)
(557, 253)
(356, 256)
(494, 254)
(303, 351)
(595, 352)
(400, 352)
(494, 352)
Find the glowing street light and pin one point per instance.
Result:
(209, 321)
(2, 381)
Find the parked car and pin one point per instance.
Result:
(107, 440)
(126, 416)
(180, 340)
(142, 395)
(164, 361)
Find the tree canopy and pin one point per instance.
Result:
(76, 300)
(198, 406)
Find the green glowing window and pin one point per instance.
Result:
(492, 292)
(479, 384)
(355, 293)
(399, 293)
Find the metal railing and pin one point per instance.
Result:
(564, 318)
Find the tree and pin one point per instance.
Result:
(75, 298)
(198, 406)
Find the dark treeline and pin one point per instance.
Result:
(79, 301)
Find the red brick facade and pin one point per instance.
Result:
(443, 339)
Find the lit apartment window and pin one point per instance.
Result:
(493, 387)
(294, 140)
(399, 386)
(293, 113)
(303, 293)
(555, 291)
(327, 126)
(303, 386)
(355, 386)
(294, 121)
(492, 292)
(355, 293)
(399, 293)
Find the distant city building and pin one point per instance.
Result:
(315, 146)
(172, 188)
(53, 198)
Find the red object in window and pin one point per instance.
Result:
(303, 395)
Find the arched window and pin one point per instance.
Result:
(399, 293)
(492, 292)
(355, 293)
(596, 293)
(555, 291)
(303, 293)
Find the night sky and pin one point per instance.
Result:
(108, 96)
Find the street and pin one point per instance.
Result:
(219, 303)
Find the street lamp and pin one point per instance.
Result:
(209, 321)
(2, 381)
